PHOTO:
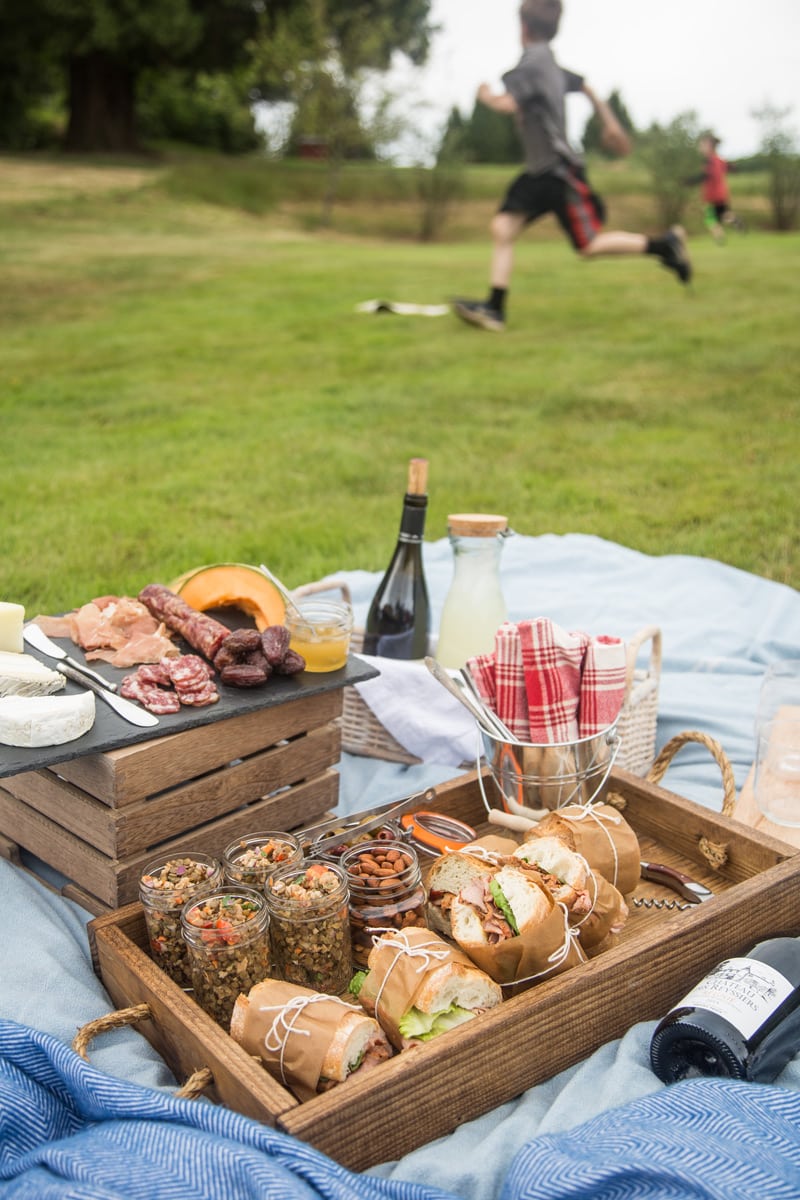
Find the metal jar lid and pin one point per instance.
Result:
(476, 524)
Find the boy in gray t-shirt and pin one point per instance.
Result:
(554, 179)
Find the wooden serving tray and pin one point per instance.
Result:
(428, 1091)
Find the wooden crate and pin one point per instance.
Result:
(101, 818)
(428, 1091)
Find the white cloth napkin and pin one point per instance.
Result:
(422, 715)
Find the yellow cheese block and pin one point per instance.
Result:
(12, 618)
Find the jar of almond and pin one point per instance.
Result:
(386, 892)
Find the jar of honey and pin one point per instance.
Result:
(320, 630)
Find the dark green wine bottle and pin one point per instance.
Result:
(741, 1022)
(398, 621)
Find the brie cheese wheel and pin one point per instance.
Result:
(12, 617)
(45, 720)
(24, 675)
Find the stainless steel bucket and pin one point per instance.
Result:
(532, 776)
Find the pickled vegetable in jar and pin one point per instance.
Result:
(227, 940)
(309, 926)
(165, 888)
(386, 892)
(250, 860)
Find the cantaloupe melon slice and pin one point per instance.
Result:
(232, 585)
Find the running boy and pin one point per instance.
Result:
(554, 180)
(716, 194)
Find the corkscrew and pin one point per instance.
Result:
(690, 890)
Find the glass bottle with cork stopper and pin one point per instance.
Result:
(474, 606)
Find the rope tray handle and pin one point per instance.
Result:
(197, 1082)
(715, 853)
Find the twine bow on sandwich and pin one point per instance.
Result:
(287, 1016)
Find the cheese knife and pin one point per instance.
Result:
(131, 712)
(37, 638)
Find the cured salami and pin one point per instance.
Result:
(155, 699)
(203, 633)
(163, 687)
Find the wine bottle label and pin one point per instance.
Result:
(743, 991)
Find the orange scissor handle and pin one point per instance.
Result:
(441, 833)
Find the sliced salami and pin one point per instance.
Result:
(202, 632)
(155, 699)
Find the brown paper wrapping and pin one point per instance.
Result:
(602, 836)
(304, 1044)
(609, 912)
(536, 954)
(398, 965)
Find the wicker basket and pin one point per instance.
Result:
(364, 735)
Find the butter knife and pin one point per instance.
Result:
(131, 712)
(37, 638)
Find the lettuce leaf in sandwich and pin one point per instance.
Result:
(502, 904)
(423, 1026)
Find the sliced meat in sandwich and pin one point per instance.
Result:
(418, 987)
(308, 1041)
(594, 906)
(509, 924)
(448, 875)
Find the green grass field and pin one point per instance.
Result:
(183, 381)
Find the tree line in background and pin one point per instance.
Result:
(119, 75)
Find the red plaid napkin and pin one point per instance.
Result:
(481, 668)
(552, 662)
(550, 686)
(602, 685)
(509, 668)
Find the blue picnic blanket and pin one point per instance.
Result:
(69, 1132)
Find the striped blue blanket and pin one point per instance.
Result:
(70, 1132)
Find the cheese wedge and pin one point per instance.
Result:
(24, 675)
(12, 617)
(45, 720)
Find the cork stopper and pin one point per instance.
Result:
(417, 477)
(476, 524)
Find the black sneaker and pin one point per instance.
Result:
(674, 256)
(475, 312)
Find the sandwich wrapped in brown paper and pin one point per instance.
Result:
(291, 1029)
(602, 836)
(537, 952)
(407, 964)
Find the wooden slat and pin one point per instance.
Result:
(113, 881)
(123, 776)
(118, 832)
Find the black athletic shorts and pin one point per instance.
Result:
(580, 211)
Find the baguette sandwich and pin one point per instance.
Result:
(594, 906)
(308, 1041)
(511, 926)
(418, 987)
(601, 835)
(448, 875)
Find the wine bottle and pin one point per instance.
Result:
(398, 621)
(741, 1022)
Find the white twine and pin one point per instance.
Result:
(427, 959)
(283, 1025)
(587, 810)
(559, 955)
